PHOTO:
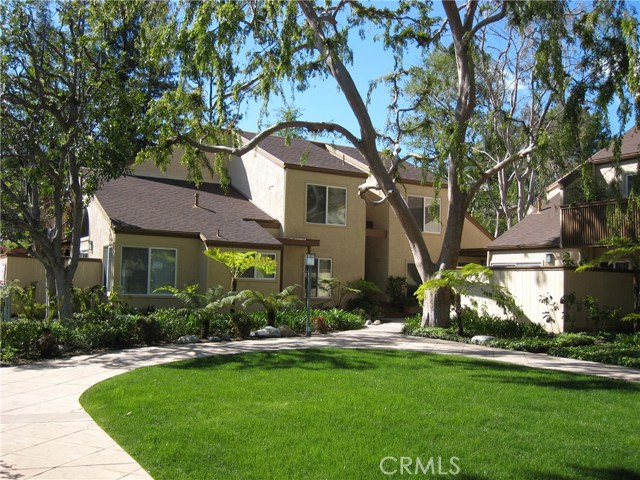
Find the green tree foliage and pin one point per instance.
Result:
(233, 52)
(203, 304)
(76, 85)
(237, 263)
(272, 303)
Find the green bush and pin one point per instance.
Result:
(476, 324)
(117, 331)
(18, 338)
(242, 324)
(532, 345)
(614, 354)
(176, 322)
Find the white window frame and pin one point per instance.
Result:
(326, 211)
(426, 204)
(266, 277)
(149, 249)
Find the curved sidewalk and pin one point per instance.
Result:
(45, 433)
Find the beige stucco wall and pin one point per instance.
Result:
(529, 286)
(191, 264)
(609, 173)
(261, 181)
(400, 254)
(101, 233)
(28, 270)
(345, 245)
(174, 170)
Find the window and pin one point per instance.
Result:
(107, 267)
(326, 205)
(323, 268)
(632, 183)
(146, 269)
(421, 209)
(259, 274)
(84, 227)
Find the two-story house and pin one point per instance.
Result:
(536, 258)
(286, 199)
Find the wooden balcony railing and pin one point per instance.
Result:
(590, 223)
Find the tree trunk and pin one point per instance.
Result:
(436, 309)
(63, 293)
(271, 318)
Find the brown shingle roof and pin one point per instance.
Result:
(304, 154)
(408, 171)
(629, 147)
(162, 206)
(537, 230)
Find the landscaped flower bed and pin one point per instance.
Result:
(86, 332)
(615, 349)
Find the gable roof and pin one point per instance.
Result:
(629, 148)
(408, 171)
(540, 229)
(297, 153)
(166, 207)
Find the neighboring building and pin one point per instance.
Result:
(285, 199)
(535, 259)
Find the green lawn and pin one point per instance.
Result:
(336, 414)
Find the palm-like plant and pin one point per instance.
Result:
(272, 303)
(237, 263)
(213, 300)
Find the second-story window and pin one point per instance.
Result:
(421, 210)
(326, 205)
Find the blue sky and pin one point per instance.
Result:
(323, 102)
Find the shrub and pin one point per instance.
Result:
(614, 354)
(176, 322)
(148, 330)
(366, 298)
(18, 338)
(397, 291)
(532, 345)
(242, 324)
(573, 340)
(338, 319)
(118, 331)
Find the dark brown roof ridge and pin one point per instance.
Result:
(297, 153)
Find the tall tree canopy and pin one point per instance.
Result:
(233, 52)
(76, 85)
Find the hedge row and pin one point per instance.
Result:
(24, 338)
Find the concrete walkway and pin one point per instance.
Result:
(45, 433)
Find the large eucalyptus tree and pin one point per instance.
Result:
(232, 52)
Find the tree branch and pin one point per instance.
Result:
(251, 144)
